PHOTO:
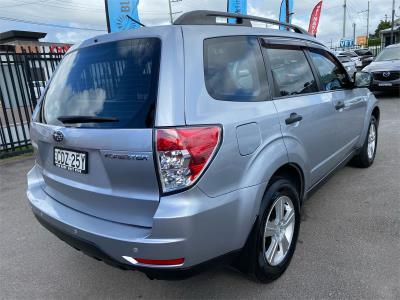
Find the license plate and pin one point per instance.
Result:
(71, 160)
(385, 84)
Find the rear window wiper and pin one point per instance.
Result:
(85, 119)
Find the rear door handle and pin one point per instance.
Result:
(294, 117)
(340, 105)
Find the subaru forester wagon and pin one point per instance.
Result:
(171, 148)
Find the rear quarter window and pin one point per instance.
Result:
(234, 69)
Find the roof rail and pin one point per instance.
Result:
(209, 17)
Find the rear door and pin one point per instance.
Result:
(95, 131)
(350, 104)
(306, 116)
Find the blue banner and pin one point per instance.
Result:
(117, 11)
(286, 12)
(237, 7)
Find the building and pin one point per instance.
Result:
(18, 40)
(385, 34)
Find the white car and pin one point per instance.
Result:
(352, 55)
(348, 64)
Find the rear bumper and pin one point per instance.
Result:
(93, 250)
(188, 225)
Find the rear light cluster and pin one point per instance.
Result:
(183, 154)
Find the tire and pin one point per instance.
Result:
(254, 259)
(365, 158)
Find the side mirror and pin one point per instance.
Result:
(362, 79)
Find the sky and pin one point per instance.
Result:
(87, 18)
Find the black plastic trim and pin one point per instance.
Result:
(91, 249)
(208, 17)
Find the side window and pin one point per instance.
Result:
(333, 75)
(234, 69)
(291, 71)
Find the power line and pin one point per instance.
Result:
(65, 5)
(171, 13)
(81, 7)
(49, 24)
(24, 3)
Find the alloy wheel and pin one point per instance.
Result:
(371, 141)
(278, 231)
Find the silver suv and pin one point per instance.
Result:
(167, 149)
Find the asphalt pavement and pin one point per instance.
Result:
(349, 244)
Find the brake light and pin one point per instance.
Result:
(183, 154)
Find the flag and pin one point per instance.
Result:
(237, 7)
(285, 13)
(314, 19)
(117, 11)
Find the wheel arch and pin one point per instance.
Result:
(294, 173)
(376, 112)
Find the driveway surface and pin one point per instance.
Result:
(349, 244)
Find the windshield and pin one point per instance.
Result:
(363, 52)
(116, 81)
(344, 59)
(349, 54)
(389, 54)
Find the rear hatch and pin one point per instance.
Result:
(94, 131)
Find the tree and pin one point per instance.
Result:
(381, 26)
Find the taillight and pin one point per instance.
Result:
(183, 153)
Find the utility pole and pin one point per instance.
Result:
(344, 18)
(354, 32)
(368, 24)
(366, 11)
(392, 41)
(171, 13)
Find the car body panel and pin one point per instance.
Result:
(318, 127)
(121, 184)
(119, 206)
(350, 118)
(186, 225)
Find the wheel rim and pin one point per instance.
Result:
(278, 230)
(371, 141)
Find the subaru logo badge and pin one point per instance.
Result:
(386, 74)
(58, 136)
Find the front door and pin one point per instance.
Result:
(307, 117)
(350, 104)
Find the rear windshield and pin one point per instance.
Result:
(116, 81)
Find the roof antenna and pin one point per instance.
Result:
(135, 21)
